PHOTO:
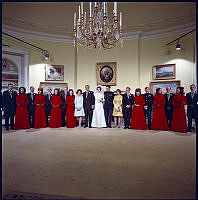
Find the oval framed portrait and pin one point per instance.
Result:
(106, 73)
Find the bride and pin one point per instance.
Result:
(98, 119)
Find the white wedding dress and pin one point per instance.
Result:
(98, 119)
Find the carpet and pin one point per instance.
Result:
(29, 196)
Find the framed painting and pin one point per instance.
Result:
(46, 85)
(54, 72)
(164, 85)
(106, 73)
(161, 72)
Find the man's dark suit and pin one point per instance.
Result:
(31, 109)
(48, 106)
(64, 107)
(9, 107)
(192, 109)
(169, 108)
(87, 104)
(127, 112)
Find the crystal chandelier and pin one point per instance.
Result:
(99, 32)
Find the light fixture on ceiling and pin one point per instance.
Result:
(178, 47)
(46, 55)
(44, 52)
(99, 31)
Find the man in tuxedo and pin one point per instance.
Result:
(127, 102)
(192, 109)
(168, 106)
(31, 106)
(148, 97)
(9, 106)
(108, 105)
(63, 96)
(89, 105)
(48, 98)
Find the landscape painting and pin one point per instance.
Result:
(163, 72)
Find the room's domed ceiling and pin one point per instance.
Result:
(57, 17)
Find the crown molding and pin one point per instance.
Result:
(36, 35)
(137, 35)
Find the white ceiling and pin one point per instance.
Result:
(138, 17)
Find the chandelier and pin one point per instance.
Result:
(99, 31)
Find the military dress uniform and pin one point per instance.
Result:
(108, 107)
(148, 97)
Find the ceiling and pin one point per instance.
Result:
(57, 17)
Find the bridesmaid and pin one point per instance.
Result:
(70, 119)
(179, 116)
(40, 116)
(117, 110)
(22, 116)
(159, 118)
(79, 110)
(56, 117)
(138, 119)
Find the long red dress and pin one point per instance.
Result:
(138, 119)
(22, 116)
(159, 121)
(70, 119)
(179, 116)
(56, 116)
(40, 117)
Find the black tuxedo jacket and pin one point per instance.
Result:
(127, 101)
(31, 105)
(89, 101)
(168, 103)
(62, 95)
(192, 107)
(48, 103)
(9, 103)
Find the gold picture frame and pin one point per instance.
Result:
(164, 85)
(45, 85)
(162, 72)
(54, 72)
(106, 73)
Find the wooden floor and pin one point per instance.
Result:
(100, 163)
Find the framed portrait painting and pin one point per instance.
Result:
(54, 72)
(161, 72)
(45, 85)
(164, 85)
(106, 73)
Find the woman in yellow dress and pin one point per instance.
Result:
(117, 110)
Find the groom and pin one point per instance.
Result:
(88, 104)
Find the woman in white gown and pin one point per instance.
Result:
(98, 119)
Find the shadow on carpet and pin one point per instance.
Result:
(29, 196)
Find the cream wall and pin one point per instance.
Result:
(155, 52)
(134, 61)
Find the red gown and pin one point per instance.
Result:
(70, 119)
(138, 118)
(22, 117)
(159, 121)
(40, 117)
(56, 116)
(179, 116)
